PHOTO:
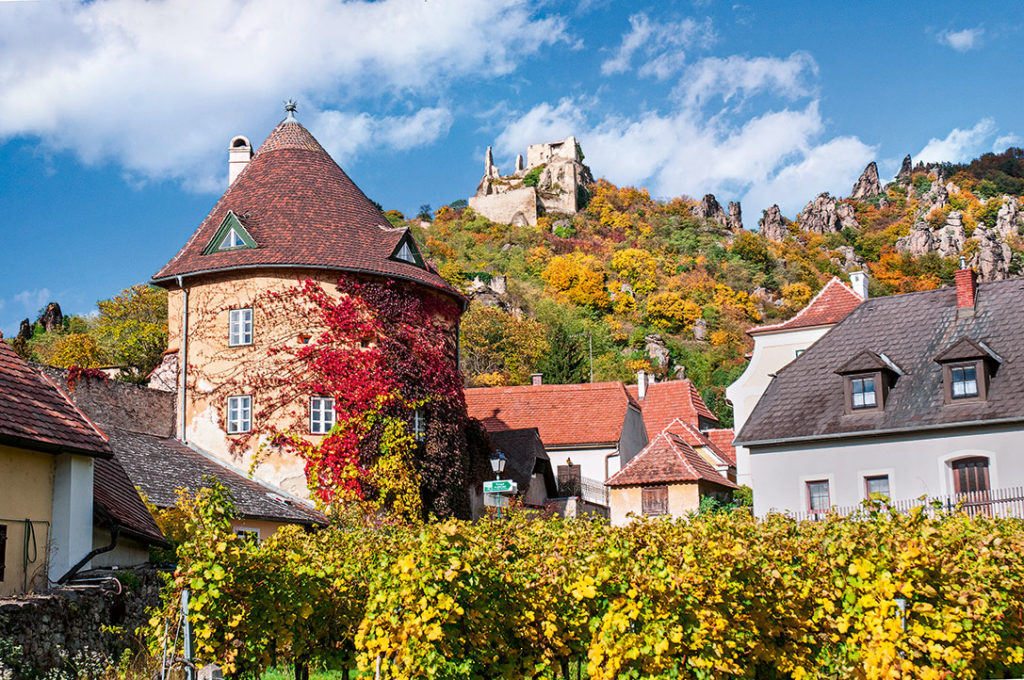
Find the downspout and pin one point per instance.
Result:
(183, 362)
(114, 531)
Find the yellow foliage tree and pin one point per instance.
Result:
(672, 311)
(579, 278)
(638, 268)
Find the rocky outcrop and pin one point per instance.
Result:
(906, 170)
(52, 319)
(735, 216)
(657, 349)
(868, 184)
(952, 237)
(919, 241)
(771, 224)
(488, 291)
(709, 208)
(700, 330)
(992, 260)
(847, 216)
(1008, 220)
(25, 330)
(820, 216)
(848, 259)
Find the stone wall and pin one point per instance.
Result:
(518, 206)
(113, 403)
(62, 629)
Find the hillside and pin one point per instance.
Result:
(671, 287)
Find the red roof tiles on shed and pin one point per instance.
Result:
(695, 438)
(303, 211)
(564, 415)
(666, 401)
(722, 438)
(667, 459)
(35, 414)
(829, 306)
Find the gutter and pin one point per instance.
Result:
(874, 433)
(183, 363)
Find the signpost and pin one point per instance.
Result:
(500, 486)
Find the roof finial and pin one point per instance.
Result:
(291, 107)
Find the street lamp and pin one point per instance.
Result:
(498, 461)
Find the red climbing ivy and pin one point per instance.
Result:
(381, 351)
(76, 373)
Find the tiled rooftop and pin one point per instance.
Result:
(829, 306)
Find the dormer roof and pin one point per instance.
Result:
(300, 209)
(868, 361)
(965, 349)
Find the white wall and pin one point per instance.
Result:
(591, 461)
(71, 534)
(916, 464)
(772, 351)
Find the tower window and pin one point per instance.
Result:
(419, 425)
(240, 327)
(239, 414)
(321, 415)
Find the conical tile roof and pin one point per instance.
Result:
(302, 210)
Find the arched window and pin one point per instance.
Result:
(970, 474)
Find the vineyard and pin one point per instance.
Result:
(719, 595)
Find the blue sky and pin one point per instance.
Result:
(115, 115)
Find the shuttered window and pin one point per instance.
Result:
(654, 500)
(970, 474)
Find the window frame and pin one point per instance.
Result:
(228, 421)
(874, 477)
(980, 382)
(657, 507)
(324, 412)
(419, 425)
(241, 328)
(959, 464)
(248, 533)
(809, 496)
(879, 392)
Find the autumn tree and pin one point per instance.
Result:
(132, 328)
(498, 347)
(579, 278)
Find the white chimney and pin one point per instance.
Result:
(859, 283)
(641, 384)
(239, 155)
(537, 378)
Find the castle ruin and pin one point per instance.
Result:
(554, 180)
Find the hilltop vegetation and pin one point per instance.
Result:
(655, 287)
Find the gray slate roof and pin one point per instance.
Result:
(160, 466)
(525, 455)
(805, 400)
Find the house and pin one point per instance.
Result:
(289, 214)
(139, 424)
(909, 395)
(598, 425)
(669, 477)
(527, 464)
(779, 344)
(66, 504)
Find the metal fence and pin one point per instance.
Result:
(993, 503)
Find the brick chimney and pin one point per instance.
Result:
(966, 288)
(537, 378)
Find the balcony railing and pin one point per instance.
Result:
(584, 488)
(993, 503)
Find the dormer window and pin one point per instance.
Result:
(862, 393)
(407, 252)
(967, 368)
(232, 240)
(231, 235)
(867, 379)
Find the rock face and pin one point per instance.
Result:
(919, 241)
(848, 259)
(490, 292)
(771, 224)
(656, 349)
(553, 180)
(868, 184)
(52, 319)
(847, 216)
(820, 216)
(25, 330)
(906, 169)
(735, 216)
(952, 237)
(709, 208)
(993, 257)
(1008, 219)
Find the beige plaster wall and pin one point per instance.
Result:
(217, 370)
(265, 527)
(625, 500)
(27, 493)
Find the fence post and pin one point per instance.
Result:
(190, 668)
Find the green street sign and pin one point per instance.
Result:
(500, 486)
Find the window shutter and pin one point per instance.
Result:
(654, 500)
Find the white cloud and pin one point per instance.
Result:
(733, 76)
(1003, 142)
(962, 40)
(345, 135)
(160, 87)
(33, 300)
(959, 145)
(662, 44)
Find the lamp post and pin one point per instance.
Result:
(498, 461)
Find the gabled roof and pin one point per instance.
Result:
(965, 348)
(525, 456)
(804, 402)
(869, 361)
(160, 466)
(666, 401)
(829, 306)
(115, 501)
(722, 438)
(301, 210)
(35, 414)
(564, 415)
(665, 460)
(698, 440)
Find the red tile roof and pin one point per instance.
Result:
(666, 401)
(667, 459)
(695, 438)
(564, 415)
(829, 306)
(35, 414)
(304, 211)
(722, 438)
